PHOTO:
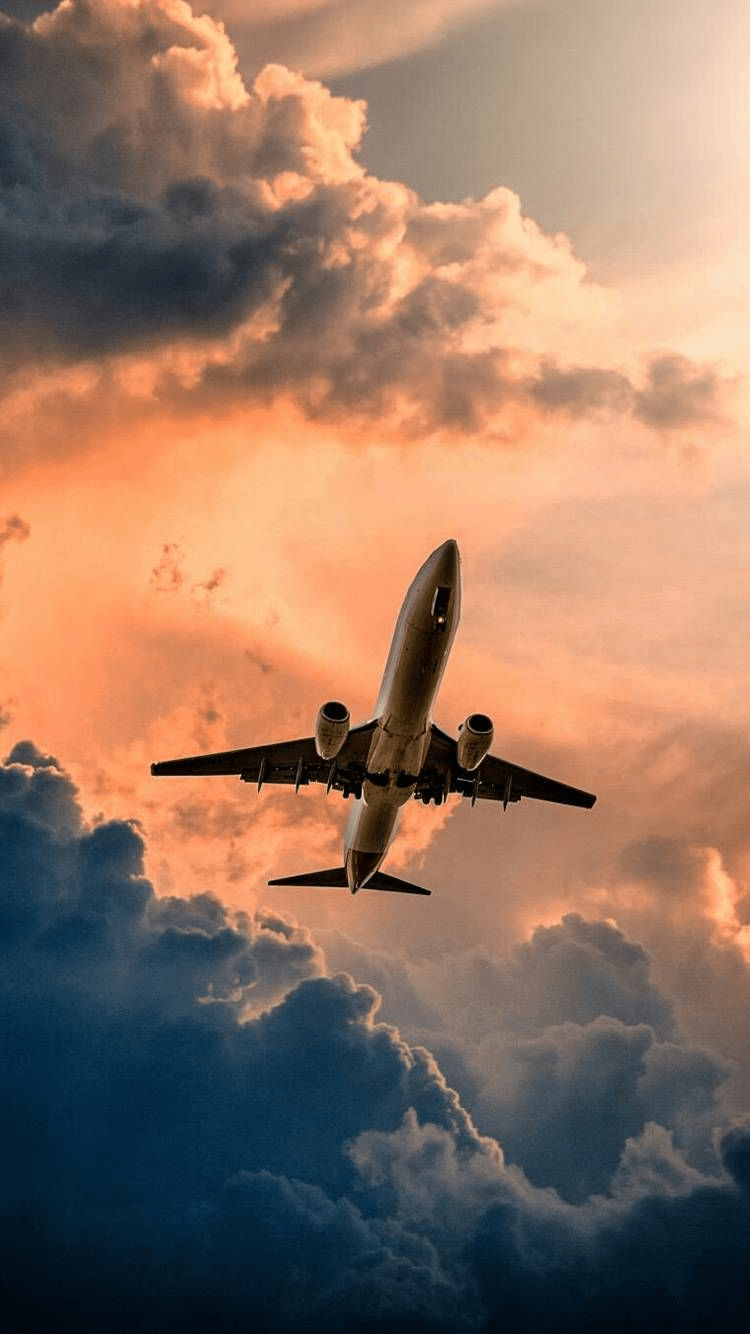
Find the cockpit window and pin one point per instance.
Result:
(440, 604)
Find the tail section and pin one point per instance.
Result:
(337, 879)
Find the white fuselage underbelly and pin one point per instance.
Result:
(416, 662)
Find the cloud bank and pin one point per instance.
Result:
(201, 1126)
(171, 236)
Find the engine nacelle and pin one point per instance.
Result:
(475, 739)
(331, 729)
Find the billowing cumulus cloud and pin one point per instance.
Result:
(187, 240)
(201, 1126)
(565, 1050)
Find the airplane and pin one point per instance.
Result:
(400, 753)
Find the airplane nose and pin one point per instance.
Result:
(447, 562)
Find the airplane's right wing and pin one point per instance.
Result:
(493, 780)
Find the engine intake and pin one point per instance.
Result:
(331, 729)
(474, 741)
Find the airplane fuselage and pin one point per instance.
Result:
(422, 640)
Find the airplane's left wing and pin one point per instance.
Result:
(296, 763)
(493, 780)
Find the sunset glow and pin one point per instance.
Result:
(252, 370)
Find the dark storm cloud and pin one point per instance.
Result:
(672, 1262)
(199, 1129)
(571, 972)
(563, 1051)
(150, 200)
(564, 1105)
(144, 1119)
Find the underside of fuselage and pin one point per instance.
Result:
(422, 640)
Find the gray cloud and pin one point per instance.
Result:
(579, 970)
(564, 1104)
(189, 1100)
(563, 1051)
(679, 394)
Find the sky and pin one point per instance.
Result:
(291, 293)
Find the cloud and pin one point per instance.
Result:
(190, 242)
(676, 394)
(167, 575)
(203, 591)
(679, 393)
(149, 1106)
(565, 1104)
(12, 529)
(578, 970)
(326, 37)
(672, 1258)
(563, 1051)
(189, 1098)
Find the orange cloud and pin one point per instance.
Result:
(177, 243)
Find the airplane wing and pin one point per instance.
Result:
(493, 780)
(296, 763)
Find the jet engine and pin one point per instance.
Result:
(331, 729)
(474, 740)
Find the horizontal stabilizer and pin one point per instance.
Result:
(337, 879)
